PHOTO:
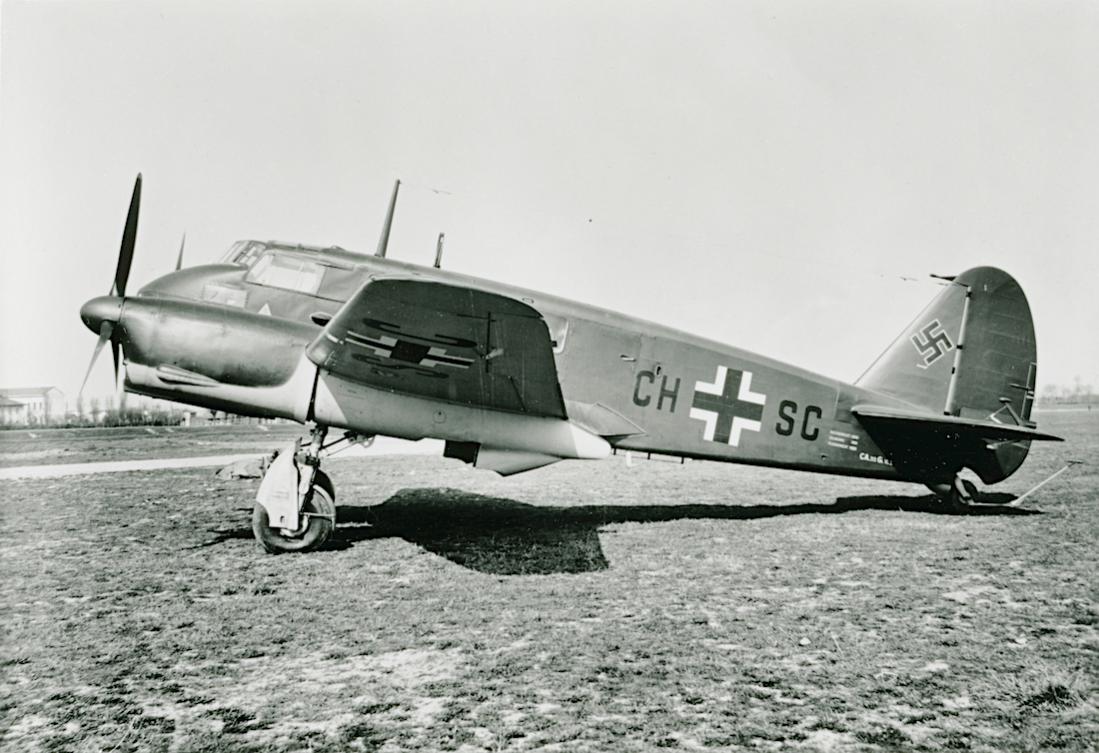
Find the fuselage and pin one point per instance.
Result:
(232, 336)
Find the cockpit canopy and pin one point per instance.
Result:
(295, 268)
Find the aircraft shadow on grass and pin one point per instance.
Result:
(505, 537)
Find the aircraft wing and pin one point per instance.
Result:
(987, 430)
(443, 342)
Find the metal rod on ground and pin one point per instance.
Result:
(1017, 501)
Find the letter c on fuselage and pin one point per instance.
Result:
(638, 399)
(806, 432)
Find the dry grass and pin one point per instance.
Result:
(579, 607)
(24, 447)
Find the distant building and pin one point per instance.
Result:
(12, 411)
(31, 405)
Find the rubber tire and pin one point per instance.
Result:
(963, 495)
(954, 496)
(321, 501)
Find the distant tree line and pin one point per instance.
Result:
(1078, 392)
(106, 417)
(113, 412)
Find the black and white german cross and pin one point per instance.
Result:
(727, 406)
(408, 351)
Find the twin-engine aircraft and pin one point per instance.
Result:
(513, 379)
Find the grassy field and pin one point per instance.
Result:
(581, 607)
(25, 447)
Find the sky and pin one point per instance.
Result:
(780, 177)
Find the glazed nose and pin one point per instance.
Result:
(105, 308)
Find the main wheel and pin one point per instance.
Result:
(318, 519)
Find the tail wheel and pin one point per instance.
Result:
(318, 520)
(970, 492)
(964, 494)
(956, 495)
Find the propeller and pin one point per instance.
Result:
(102, 314)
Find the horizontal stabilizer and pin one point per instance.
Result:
(990, 431)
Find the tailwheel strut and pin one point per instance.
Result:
(956, 495)
(295, 508)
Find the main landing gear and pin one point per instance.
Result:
(295, 508)
(957, 495)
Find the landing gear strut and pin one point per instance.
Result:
(295, 508)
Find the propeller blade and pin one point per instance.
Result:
(179, 259)
(115, 347)
(129, 237)
(105, 331)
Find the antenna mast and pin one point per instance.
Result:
(439, 251)
(383, 242)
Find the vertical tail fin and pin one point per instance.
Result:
(971, 353)
(918, 366)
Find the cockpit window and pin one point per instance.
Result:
(287, 272)
(243, 253)
(303, 275)
(230, 256)
(339, 283)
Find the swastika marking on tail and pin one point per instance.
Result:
(932, 343)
